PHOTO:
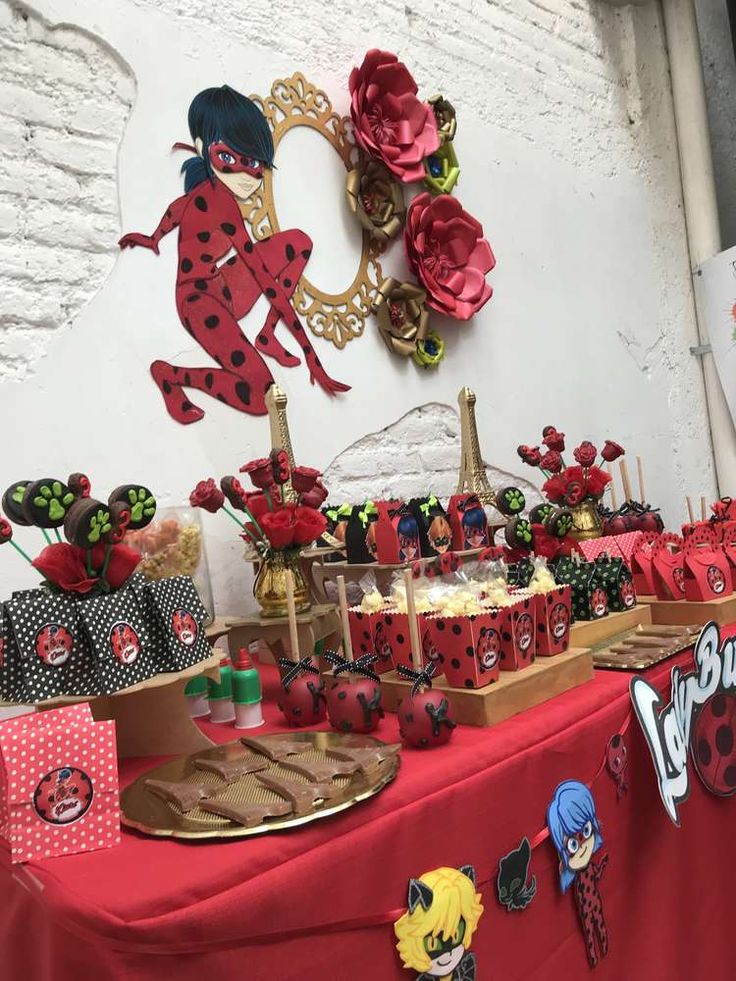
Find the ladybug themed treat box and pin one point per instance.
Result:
(668, 573)
(553, 605)
(589, 596)
(95, 626)
(468, 522)
(706, 568)
(615, 577)
(435, 533)
(58, 784)
(395, 533)
(519, 646)
(642, 565)
(466, 649)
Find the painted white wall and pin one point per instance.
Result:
(568, 153)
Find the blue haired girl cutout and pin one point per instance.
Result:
(475, 528)
(576, 834)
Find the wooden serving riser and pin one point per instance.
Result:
(514, 692)
(683, 612)
(593, 633)
(152, 717)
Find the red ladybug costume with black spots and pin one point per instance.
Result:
(590, 909)
(212, 298)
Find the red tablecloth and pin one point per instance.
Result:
(309, 904)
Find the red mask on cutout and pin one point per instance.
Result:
(229, 161)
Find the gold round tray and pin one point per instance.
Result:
(299, 756)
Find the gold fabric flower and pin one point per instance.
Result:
(376, 199)
(402, 315)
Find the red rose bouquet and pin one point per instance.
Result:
(282, 514)
(570, 485)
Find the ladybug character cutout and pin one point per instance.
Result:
(54, 644)
(215, 289)
(125, 643)
(185, 627)
(63, 796)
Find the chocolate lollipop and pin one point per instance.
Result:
(518, 533)
(233, 491)
(559, 523)
(13, 502)
(510, 501)
(139, 499)
(120, 520)
(79, 484)
(88, 522)
(46, 502)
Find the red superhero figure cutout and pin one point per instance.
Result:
(125, 643)
(185, 627)
(233, 147)
(54, 644)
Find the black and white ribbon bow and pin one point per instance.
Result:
(421, 679)
(293, 669)
(361, 665)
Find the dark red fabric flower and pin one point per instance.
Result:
(279, 527)
(256, 503)
(390, 122)
(260, 472)
(597, 481)
(123, 563)
(551, 461)
(555, 487)
(207, 495)
(552, 439)
(530, 454)
(316, 497)
(65, 566)
(611, 451)
(310, 524)
(303, 479)
(448, 254)
(585, 454)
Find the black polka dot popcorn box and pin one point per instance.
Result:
(58, 784)
(518, 632)
(553, 619)
(615, 577)
(467, 649)
(391, 637)
(368, 636)
(589, 596)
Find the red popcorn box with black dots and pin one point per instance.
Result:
(58, 784)
(466, 649)
(553, 617)
(707, 572)
(363, 635)
(391, 638)
(518, 635)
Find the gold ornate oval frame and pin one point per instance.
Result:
(338, 317)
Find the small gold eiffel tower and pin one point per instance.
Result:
(280, 440)
(473, 478)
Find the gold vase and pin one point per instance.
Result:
(586, 521)
(269, 588)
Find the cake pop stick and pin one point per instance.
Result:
(703, 511)
(690, 511)
(612, 485)
(625, 480)
(640, 473)
(416, 645)
(291, 612)
(347, 640)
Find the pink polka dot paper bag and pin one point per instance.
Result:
(58, 784)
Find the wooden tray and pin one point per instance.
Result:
(682, 612)
(591, 633)
(143, 810)
(514, 692)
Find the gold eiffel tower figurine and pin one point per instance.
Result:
(473, 478)
(280, 440)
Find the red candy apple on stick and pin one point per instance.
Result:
(303, 701)
(353, 700)
(424, 715)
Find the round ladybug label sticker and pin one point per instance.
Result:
(63, 796)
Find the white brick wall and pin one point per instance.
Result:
(64, 100)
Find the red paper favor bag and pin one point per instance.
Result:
(58, 784)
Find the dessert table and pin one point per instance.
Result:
(319, 902)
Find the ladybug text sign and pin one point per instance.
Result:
(700, 718)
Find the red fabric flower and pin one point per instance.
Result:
(6, 531)
(310, 524)
(449, 255)
(280, 466)
(260, 472)
(390, 122)
(316, 497)
(585, 454)
(303, 479)
(611, 451)
(555, 487)
(551, 461)
(207, 495)
(256, 503)
(552, 439)
(596, 482)
(65, 566)
(279, 527)
(530, 455)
